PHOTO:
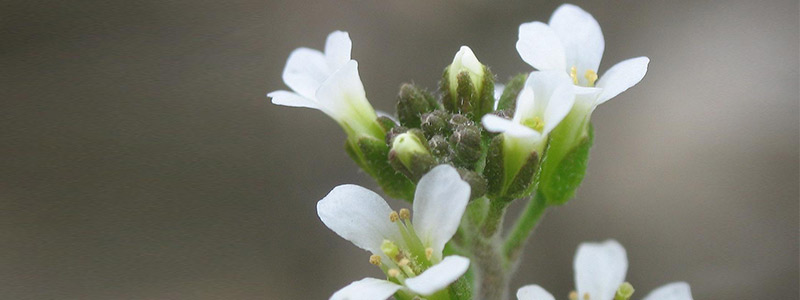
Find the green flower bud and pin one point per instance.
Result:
(410, 154)
(440, 148)
(476, 183)
(467, 86)
(435, 122)
(466, 145)
(392, 133)
(412, 102)
(370, 154)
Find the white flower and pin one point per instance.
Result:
(599, 270)
(409, 253)
(572, 42)
(330, 83)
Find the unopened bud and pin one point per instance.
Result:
(439, 146)
(435, 122)
(410, 154)
(466, 143)
(392, 133)
(467, 85)
(476, 183)
(390, 249)
(412, 102)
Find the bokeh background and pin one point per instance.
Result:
(140, 158)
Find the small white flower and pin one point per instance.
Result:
(599, 270)
(544, 101)
(572, 42)
(330, 83)
(409, 253)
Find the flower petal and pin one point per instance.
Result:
(540, 47)
(358, 215)
(533, 292)
(599, 269)
(671, 291)
(367, 289)
(621, 77)
(554, 94)
(342, 96)
(305, 71)
(580, 36)
(439, 276)
(287, 98)
(439, 203)
(495, 123)
(337, 49)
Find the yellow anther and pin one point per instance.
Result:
(428, 253)
(403, 262)
(393, 273)
(538, 124)
(375, 260)
(591, 76)
(573, 295)
(585, 296)
(405, 214)
(394, 216)
(573, 72)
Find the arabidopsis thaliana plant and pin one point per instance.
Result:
(572, 42)
(409, 253)
(599, 270)
(329, 82)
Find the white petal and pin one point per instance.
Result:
(498, 92)
(671, 291)
(358, 215)
(337, 49)
(439, 276)
(439, 203)
(495, 123)
(305, 71)
(554, 93)
(533, 292)
(580, 36)
(526, 103)
(540, 47)
(287, 98)
(599, 269)
(621, 77)
(367, 289)
(342, 96)
(381, 113)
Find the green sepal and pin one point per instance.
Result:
(563, 169)
(508, 100)
(519, 186)
(476, 183)
(372, 156)
(386, 123)
(412, 102)
(461, 289)
(494, 170)
(484, 102)
(466, 145)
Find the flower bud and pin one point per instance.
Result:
(392, 133)
(410, 154)
(370, 154)
(466, 144)
(476, 183)
(439, 147)
(435, 123)
(412, 102)
(467, 86)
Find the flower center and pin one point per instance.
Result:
(536, 123)
(590, 75)
(408, 257)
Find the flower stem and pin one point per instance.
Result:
(494, 216)
(523, 227)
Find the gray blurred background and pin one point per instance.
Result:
(140, 159)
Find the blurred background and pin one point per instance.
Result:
(140, 158)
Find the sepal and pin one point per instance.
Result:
(565, 163)
(510, 171)
(413, 102)
(508, 100)
(371, 155)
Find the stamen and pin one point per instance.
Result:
(405, 214)
(403, 262)
(573, 295)
(573, 72)
(586, 296)
(393, 216)
(428, 253)
(591, 76)
(375, 260)
(393, 273)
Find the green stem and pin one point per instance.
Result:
(524, 226)
(494, 216)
